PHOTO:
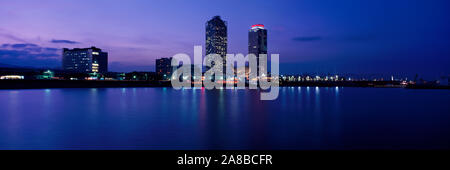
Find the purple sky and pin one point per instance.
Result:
(393, 37)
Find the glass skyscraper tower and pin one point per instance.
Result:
(216, 37)
(257, 41)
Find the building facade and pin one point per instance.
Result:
(216, 37)
(257, 41)
(85, 60)
(164, 68)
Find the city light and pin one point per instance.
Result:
(11, 77)
(258, 26)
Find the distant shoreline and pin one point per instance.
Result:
(44, 84)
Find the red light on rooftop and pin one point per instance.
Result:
(258, 25)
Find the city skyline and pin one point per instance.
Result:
(323, 37)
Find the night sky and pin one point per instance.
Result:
(400, 37)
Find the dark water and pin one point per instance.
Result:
(163, 118)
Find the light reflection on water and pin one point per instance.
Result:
(164, 118)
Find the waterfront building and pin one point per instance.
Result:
(85, 60)
(142, 76)
(257, 41)
(12, 77)
(45, 75)
(216, 38)
(164, 68)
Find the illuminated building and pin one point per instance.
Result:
(85, 60)
(46, 75)
(216, 37)
(142, 76)
(11, 77)
(257, 41)
(164, 68)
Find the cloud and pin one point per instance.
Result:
(307, 38)
(19, 46)
(63, 42)
(26, 55)
(11, 37)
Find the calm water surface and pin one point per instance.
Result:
(164, 118)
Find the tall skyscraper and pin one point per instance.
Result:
(216, 37)
(164, 68)
(85, 60)
(257, 41)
